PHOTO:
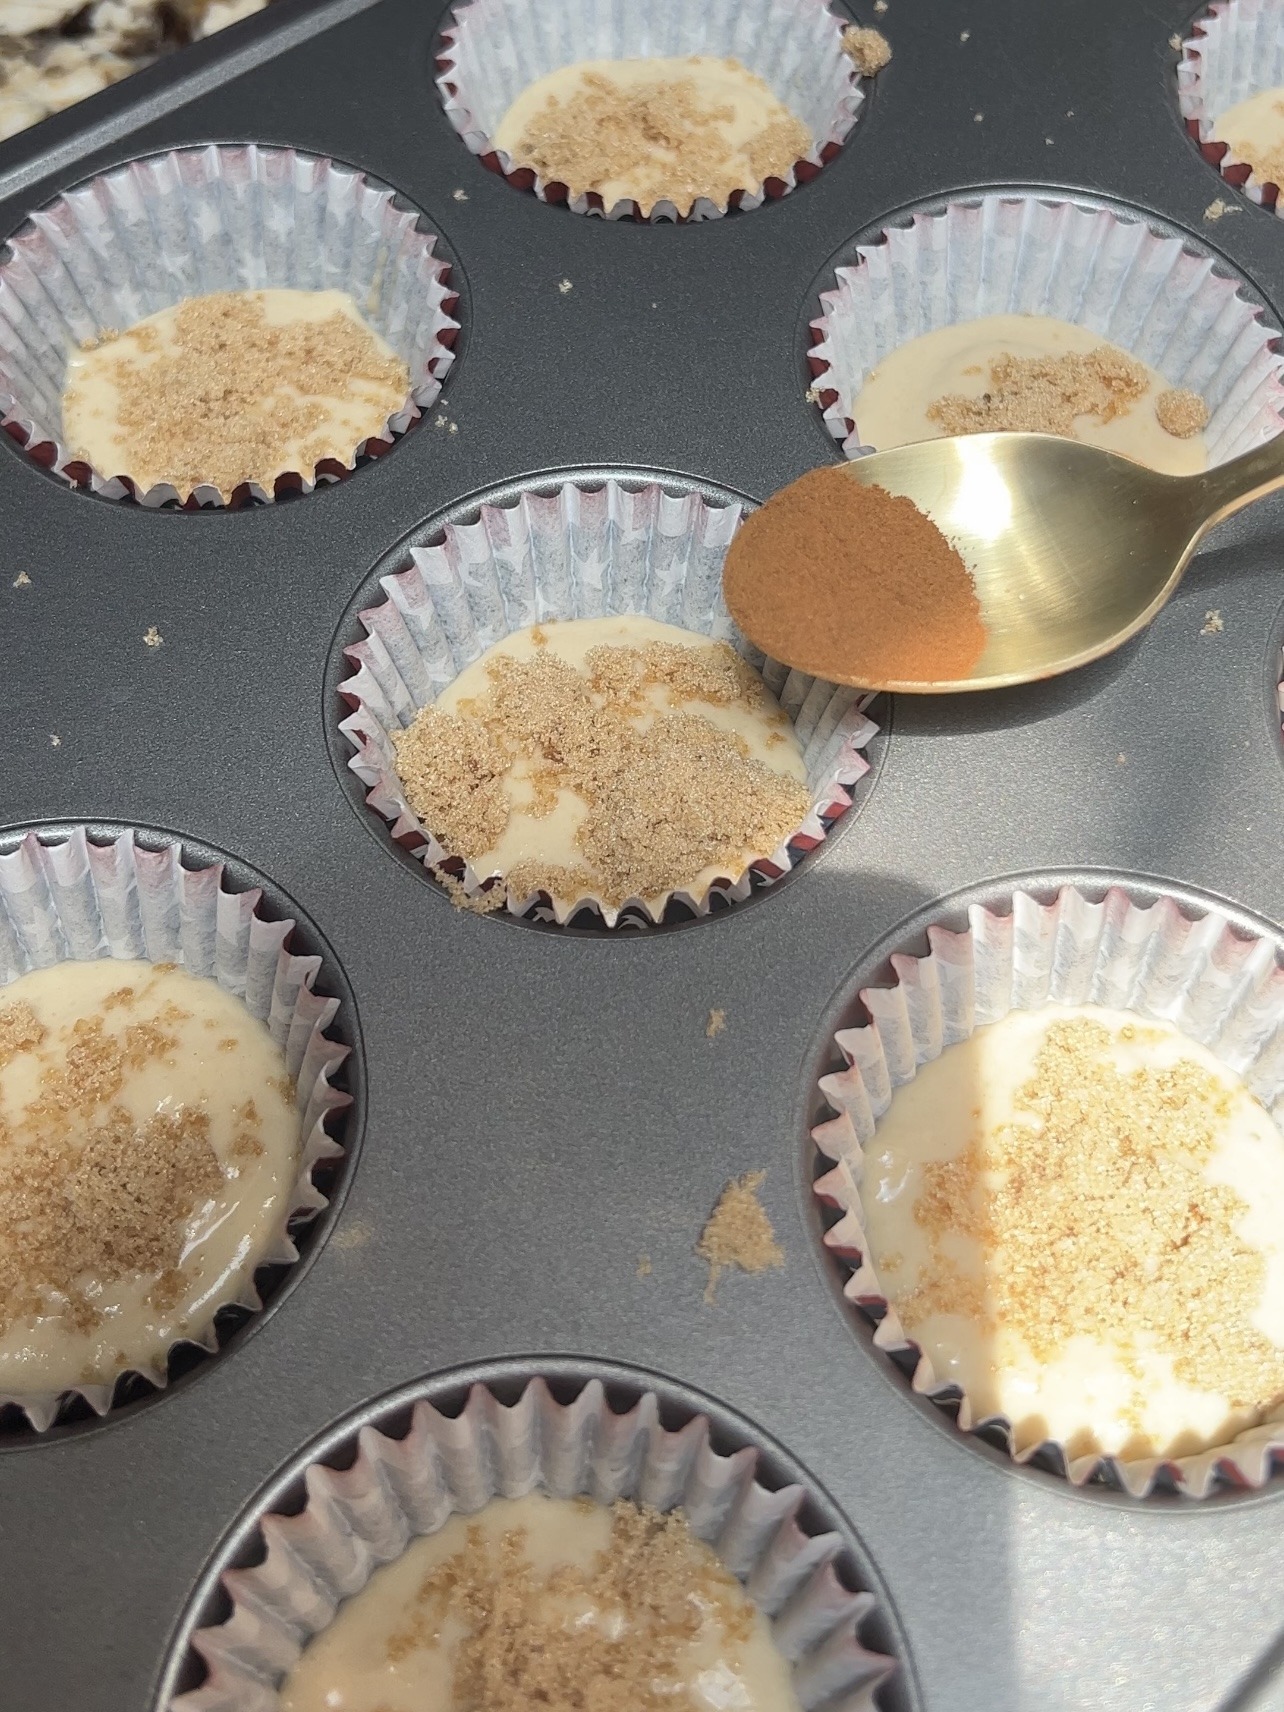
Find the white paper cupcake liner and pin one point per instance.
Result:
(359, 1518)
(76, 900)
(219, 218)
(580, 552)
(493, 49)
(1234, 51)
(1030, 254)
(1218, 986)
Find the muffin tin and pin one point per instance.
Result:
(541, 1109)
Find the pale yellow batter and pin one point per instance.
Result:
(651, 130)
(231, 388)
(544, 835)
(149, 1143)
(891, 408)
(1253, 130)
(395, 1646)
(1103, 1266)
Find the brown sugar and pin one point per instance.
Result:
(868, 50)
(663, 138)
(89, 1196)
(663, 803)
(20, 1031)
(221, 406)
(1101, 1221)
(847, 582)
(1044, 395)
(655, 1584)
(738, 1232)
(1181, 412)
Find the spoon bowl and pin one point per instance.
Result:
(1073, 550)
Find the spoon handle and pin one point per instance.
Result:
(1230, 486)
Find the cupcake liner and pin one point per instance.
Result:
(219, 218)
(1217, 985)
(578, 552)
(79, 901)
(493, 49)
(1233, 52)
(358, 1518)
(1033, 255)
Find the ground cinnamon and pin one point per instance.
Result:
(853, 584)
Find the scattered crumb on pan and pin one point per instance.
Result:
(738, 1233)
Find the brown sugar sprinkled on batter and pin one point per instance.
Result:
(218, 408)
(663, 803)
(1181, 412)
(655, 1584)
(1044, 395)
(88, 1196)
(738, 1232)
(663, 137)
(868, 50)
(453, 769)
(1103, 1223)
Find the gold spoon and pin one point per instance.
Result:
(1072, 549)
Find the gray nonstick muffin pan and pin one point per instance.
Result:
(537, 1109)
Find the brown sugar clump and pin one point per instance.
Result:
(852, 584)
(1181, 412)
(868, 50)
(220, 408)
(663, 803)
(20, 1031)
(656, 1586)
(1102, 1222)
(474, 903)
(738, 1232)
(1044, 395)
(663, 138)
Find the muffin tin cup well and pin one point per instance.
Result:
(578, 552)
(1234, 51)
(1028, 253)
(80, 900)
(1220, 984)
(225, 217)
(493, 49)
(405, 1467)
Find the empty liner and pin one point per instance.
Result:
(1030, 255)
(1234, 51)
(491, 50)
(580, 552)
(219, 218)
(1217, 986)
(361, 1517)
(78, 901)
